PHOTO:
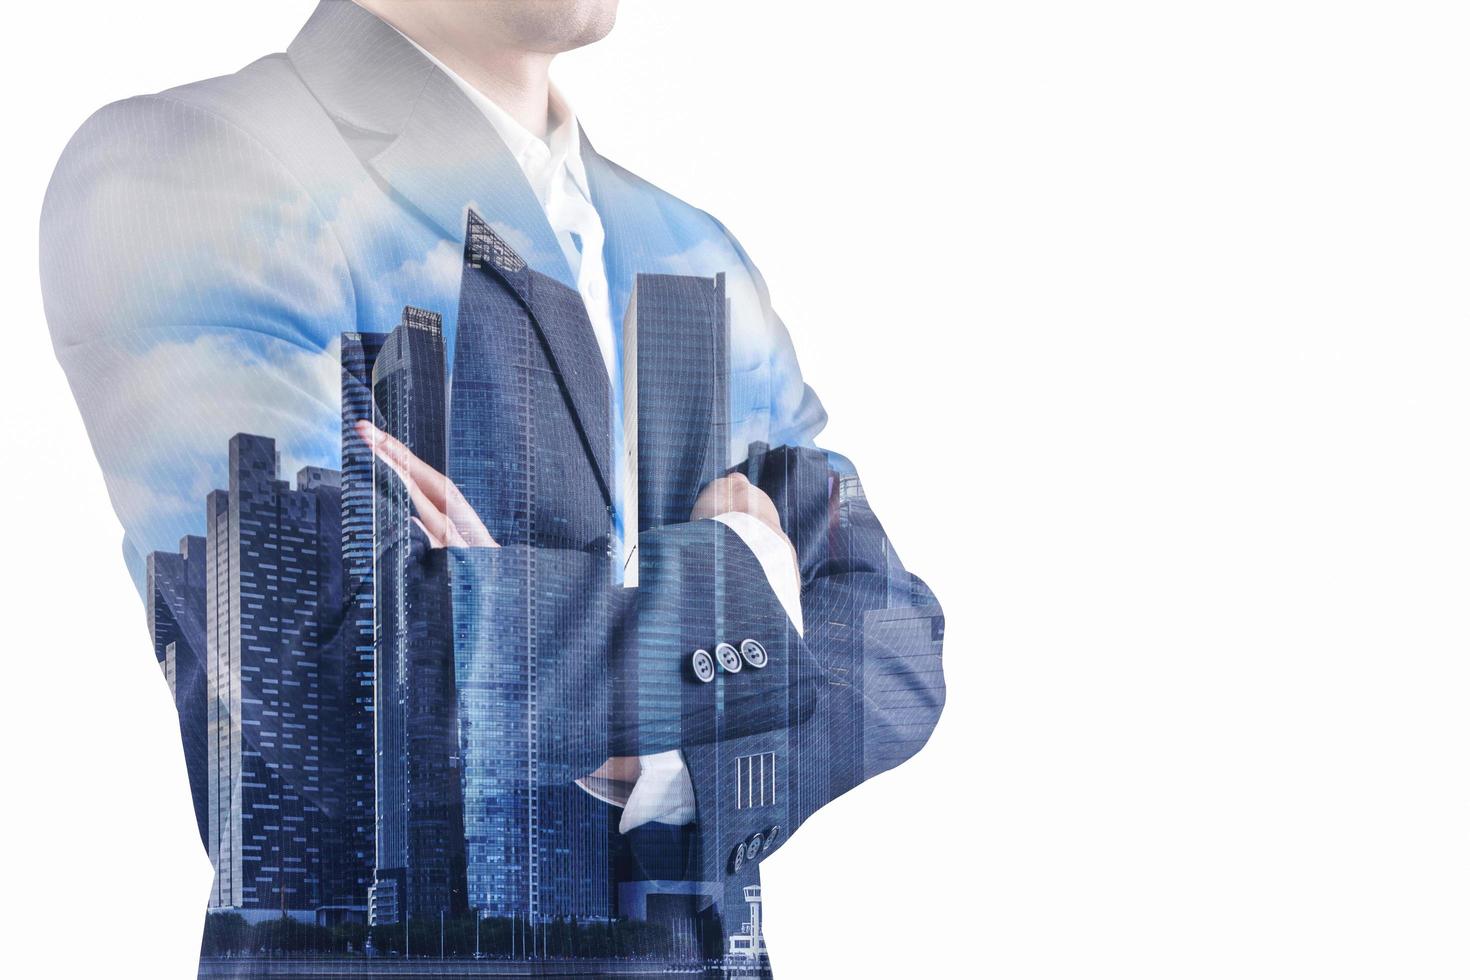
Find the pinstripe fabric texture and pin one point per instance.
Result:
(385, 716)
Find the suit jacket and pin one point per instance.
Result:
(221, 263)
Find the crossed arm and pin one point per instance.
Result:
(447, 520)
(205, 334)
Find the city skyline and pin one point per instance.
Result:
(384, 406)
(380, 739)
(274, 679)
(419, 868)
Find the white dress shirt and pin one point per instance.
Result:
(554, 168)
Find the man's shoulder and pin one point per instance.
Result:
(265, 102)
(238, 151)
(193, 177)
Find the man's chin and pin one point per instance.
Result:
(557, 26)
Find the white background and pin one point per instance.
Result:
(1146, 324)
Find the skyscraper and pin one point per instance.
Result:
(538, 847)
(420, 845)
(359, 353)
(676, 414)
(676, 386)
(676, 421)
(176, 597)
(273, 673)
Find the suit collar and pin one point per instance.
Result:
(448, 159)
(441, 156)
(364, 72)
(443, 160)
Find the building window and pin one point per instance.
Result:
(755, 781)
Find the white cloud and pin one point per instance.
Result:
(161, 419)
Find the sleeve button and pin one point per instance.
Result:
(728, 657)
(704, 666)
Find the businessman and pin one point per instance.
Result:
(565, 624)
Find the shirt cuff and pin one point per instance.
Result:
(663, 793)
(776, 558)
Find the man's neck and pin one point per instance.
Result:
(516, 80)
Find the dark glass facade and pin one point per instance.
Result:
(273, 671)
(175, 595)
(420, 855)
(358, 354)
(538, 847)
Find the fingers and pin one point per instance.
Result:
(434, 540)
(445, 517)
(408, 466)
(466, 522)
(624, 768)
(734, 493)
(720, 497)
(434, 522)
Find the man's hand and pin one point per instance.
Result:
(444, 516)
(613, 781)
(734, 494)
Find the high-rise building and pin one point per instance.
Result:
(676, 402)
(419, 869)
(170, 670)
(359, 353)
(538, 847)
(676, 431)
(829, 749)
(675, 343)
(176, 597)
(273, 665)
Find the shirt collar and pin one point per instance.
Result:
(562, 146)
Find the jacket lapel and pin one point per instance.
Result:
(561, 319)
(447, 164)
(448, 160)
(442, 160)
(684, 447)
(638, 235)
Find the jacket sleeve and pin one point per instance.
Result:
(193, 292)
(874, 631)
(857, 693)
(620, 662)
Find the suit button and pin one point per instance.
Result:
(753, 847)
(737, 860)
(728, 657)
(773, 833)
(704, 666)
(754, 653)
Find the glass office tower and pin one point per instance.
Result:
(420, 858)
(273, 676)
